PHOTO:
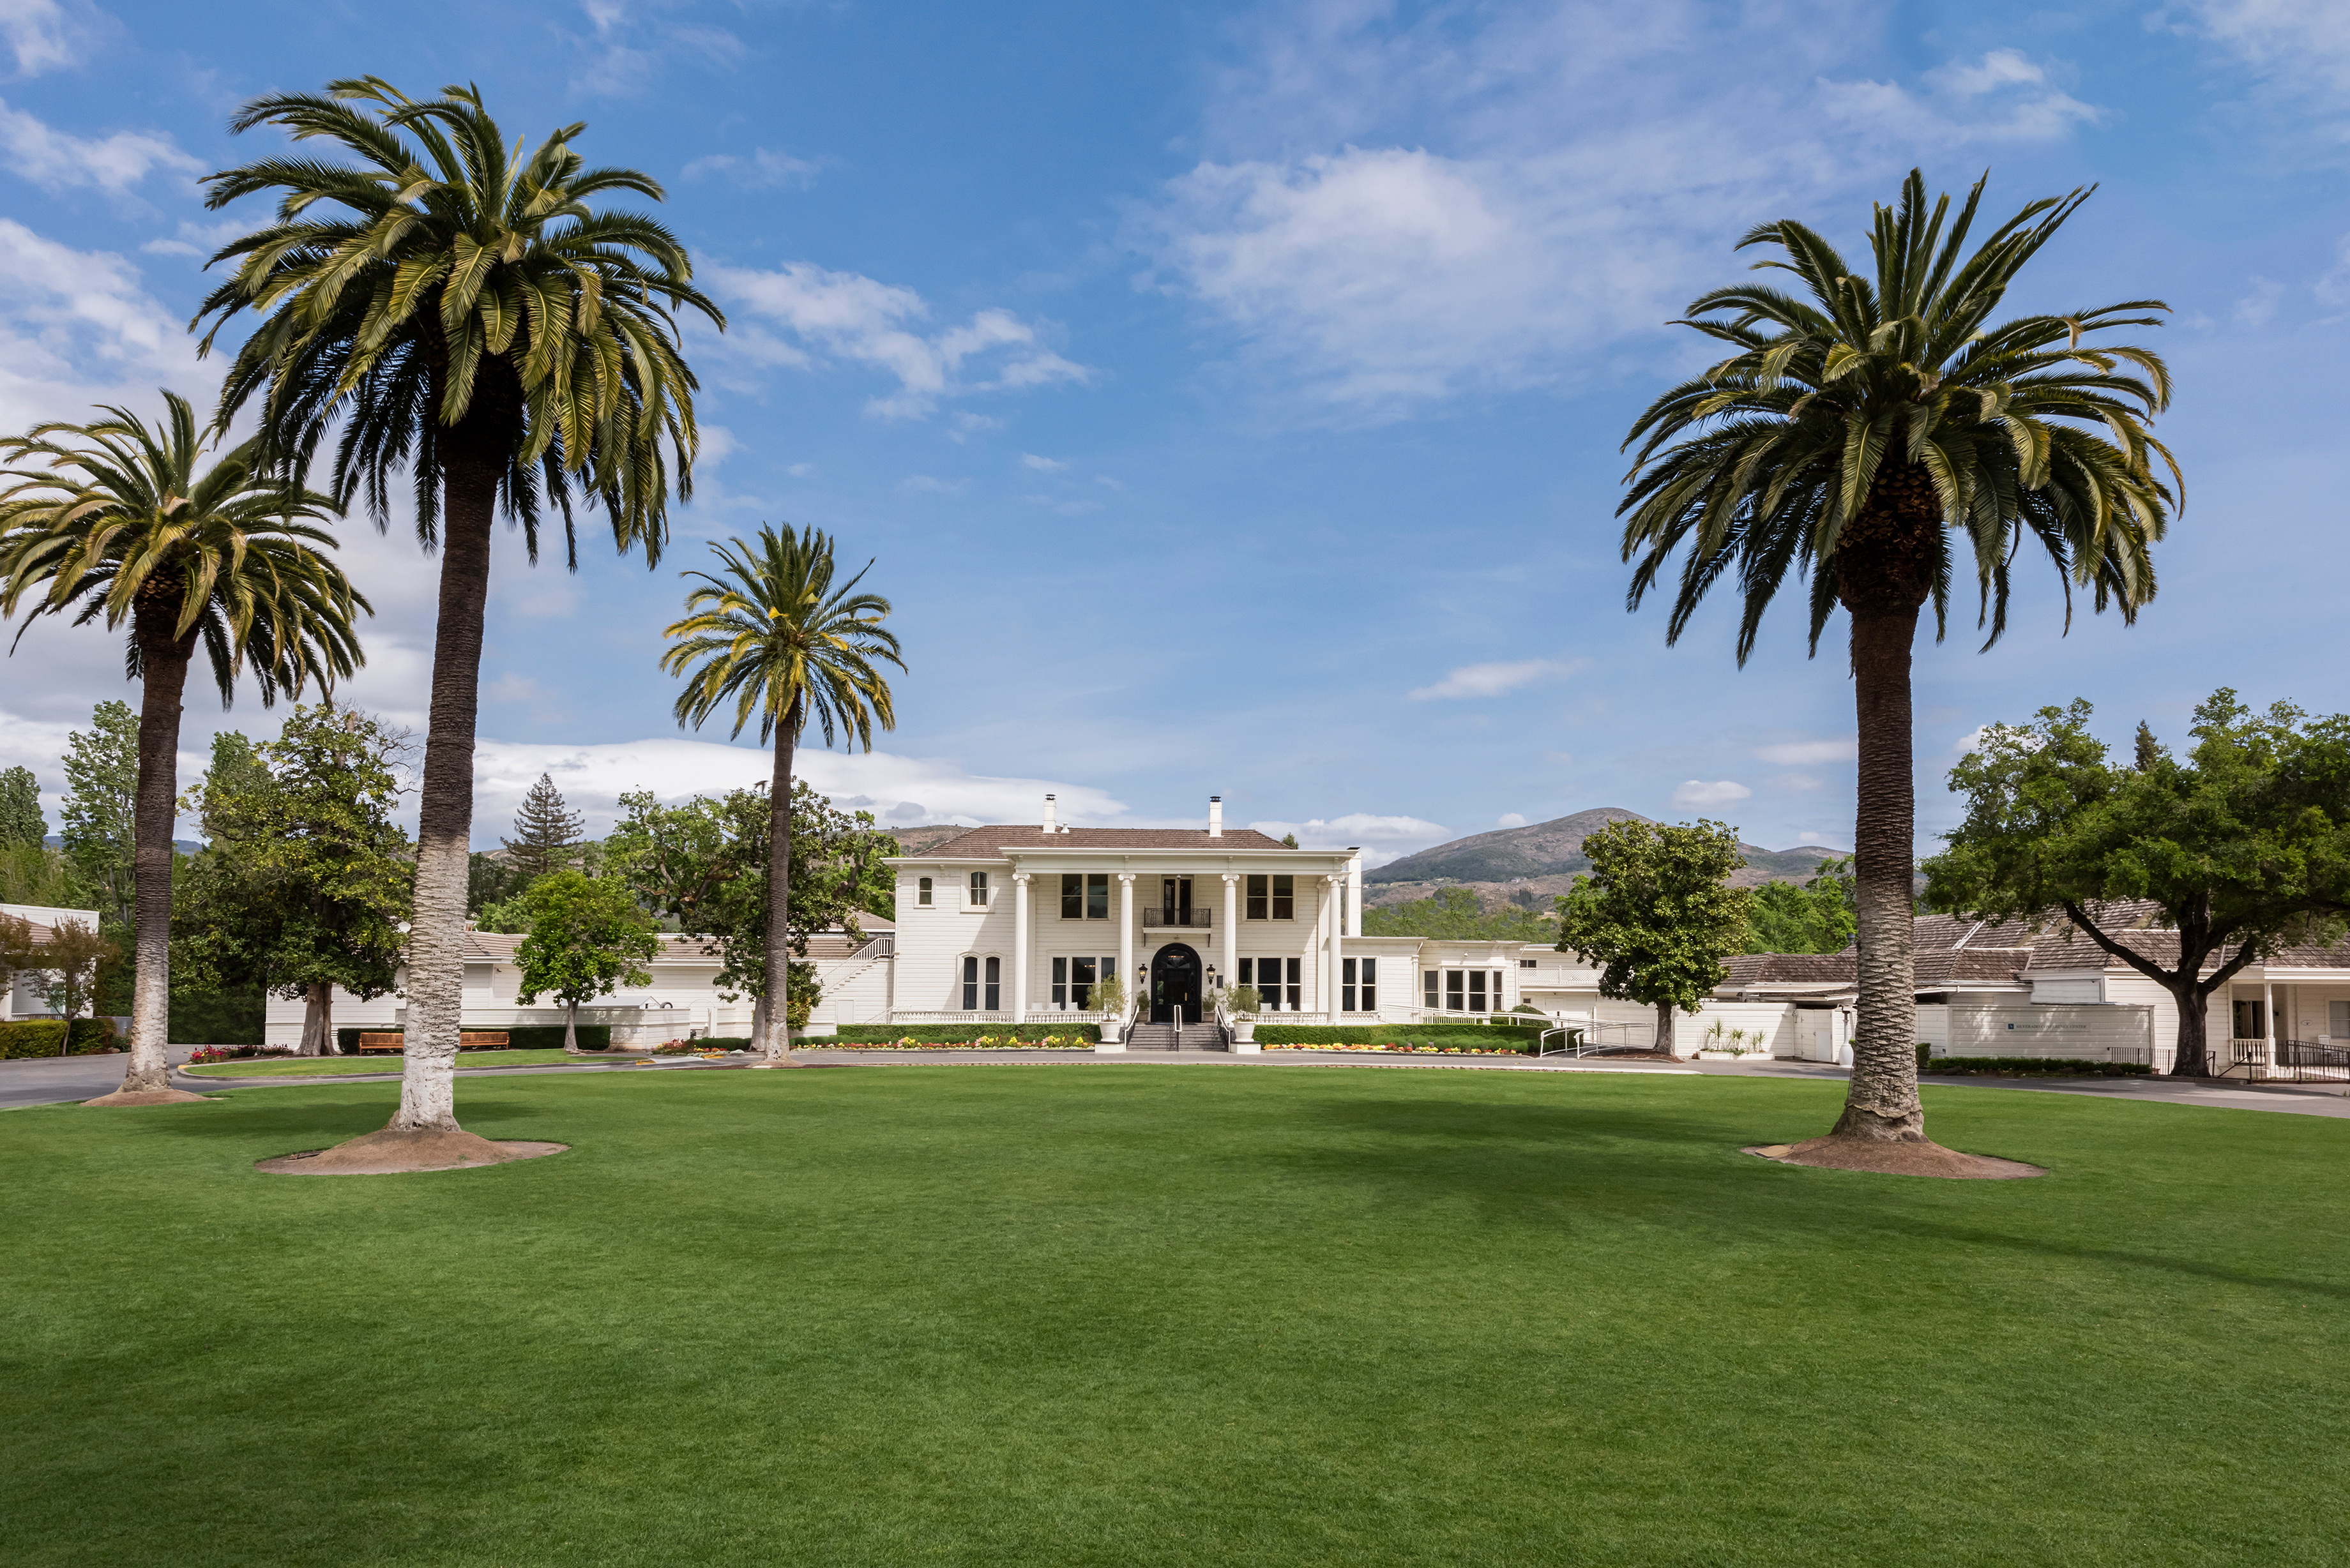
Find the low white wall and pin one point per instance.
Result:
(2088, 1032)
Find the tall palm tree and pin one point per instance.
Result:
(776, 638)
(460, 312)
(112, 521)
(1860, 431)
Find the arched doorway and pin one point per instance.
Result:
(1175, 985)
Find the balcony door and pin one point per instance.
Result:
(1175, 901)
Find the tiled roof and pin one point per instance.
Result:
(1789, 969)
(988, 843)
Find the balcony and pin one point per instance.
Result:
(1153, 919)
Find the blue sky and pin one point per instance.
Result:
(1229, 396)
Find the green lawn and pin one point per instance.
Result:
(1131, 1314)
(380, 1062)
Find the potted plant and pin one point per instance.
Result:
(1109, 999)
(1241, 1003)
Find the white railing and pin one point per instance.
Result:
(915, 1015)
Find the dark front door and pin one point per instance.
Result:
(1175, 985)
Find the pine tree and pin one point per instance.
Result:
(546, 836)
(2150, 749)
(20, 808)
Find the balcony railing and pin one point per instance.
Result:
(1197, 920)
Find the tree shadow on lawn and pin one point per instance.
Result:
(1556, 1164)
(323, 1121)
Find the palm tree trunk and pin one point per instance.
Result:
(317, 1019)
(436, 935)
(164, 663)
(775, 1038)
(1882, 1105)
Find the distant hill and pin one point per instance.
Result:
(914, 840)
(1528, 866)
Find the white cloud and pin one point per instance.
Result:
(1796, 754)
(44, 35)
(800, 470)
(2333, 286)
(1492, 679)
(2260, 303)
(1105, 480)
(931, 484)
(57, 161)
(200, 241)
(1512, 819)
(761, 170)
(1041, 464)
(897, 789)
(1401, 205)
(1381, 838)
(1721, 792)
(844, 316)
(1964, 104)
(2303, 44)
(630, 44)
(78, 327)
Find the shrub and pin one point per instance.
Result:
(34, 1037)
(91, 1035)
(1474, 1035)
(957, 1033)
(2030, 1067)
(219, 1018)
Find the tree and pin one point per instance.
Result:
(65, 960)
(773, 636)
(236, 770)
(546, 836)
(1818, 918)
(100, 808)
(586, 937)
(118, 520)
(1289, 841)
(1862, 432)
(21, 821)
(37, 875)
(2243, 848)
(1656, 914)
(1457, 913)
(705, 863)
(313, 875)
(469, 322)
(489, 879)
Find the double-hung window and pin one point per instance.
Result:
(1359, 986)
(1085, 895)
(978, 997)
(1464, 989)
(922, 890)
(1272, 898)
(979, 889)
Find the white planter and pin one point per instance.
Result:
(1109, 1034)
(1244, 1031)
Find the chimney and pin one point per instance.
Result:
(1215, 817)
(1048, 815)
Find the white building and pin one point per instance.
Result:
(22, 997)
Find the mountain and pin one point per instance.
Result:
(1528, 864)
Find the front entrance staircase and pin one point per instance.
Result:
(1175, 1037)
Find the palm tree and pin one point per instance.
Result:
(113, 522)
(1858, 431)
(774, 637)
(461, 313)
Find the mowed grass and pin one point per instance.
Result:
(1124, 1314)
(378, 1062)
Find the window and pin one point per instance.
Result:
(1174, 901)
(1084, 896)
(1074, 980)
(1466, 989)
(1431, 977)
(922, 890)
(979, 889)
(1272, 898)
(973, 993)
(971, 985)
(1525, 963)
(1266, 975)
(995, 984)
(2251, 1021)
(2337, 1021)
(1364, 991)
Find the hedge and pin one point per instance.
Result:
(1363, 1034)
(519, 1037)
(47, 1037)
(2030, 1067)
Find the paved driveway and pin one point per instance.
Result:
(45, 1080)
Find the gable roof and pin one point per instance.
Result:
(989, 843)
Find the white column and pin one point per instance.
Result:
(2268, 1011)
(1126, 937)
(1355, 896)
(1333, 889)
(1020, 947)
(1231, 929)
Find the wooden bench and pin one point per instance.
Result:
(467, 1040)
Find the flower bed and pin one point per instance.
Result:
(1399, 1048)
(983, 1042)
